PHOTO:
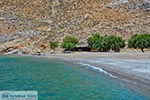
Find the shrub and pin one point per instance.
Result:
(105, 43)
(140, 41)
(70, 43)
(53, 45)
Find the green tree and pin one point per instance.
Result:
(96, 42)
(139, 41)
(53, 45)
(115, 43)
(69, 43)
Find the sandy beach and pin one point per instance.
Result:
(113, 71)
(132, 68)
(129, 67)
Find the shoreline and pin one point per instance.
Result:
(135, 81)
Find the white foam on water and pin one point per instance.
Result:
(97, 69)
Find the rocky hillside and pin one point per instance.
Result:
(30, 24)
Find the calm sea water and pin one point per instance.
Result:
(55, 80)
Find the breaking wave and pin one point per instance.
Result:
(97, 69)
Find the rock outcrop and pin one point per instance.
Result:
(131, 4)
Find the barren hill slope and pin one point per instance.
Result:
(42, 20)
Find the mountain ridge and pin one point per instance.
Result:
(44, 20)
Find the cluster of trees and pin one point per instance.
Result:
(141, 41)
(106, 43)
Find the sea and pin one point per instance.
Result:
(59, 80)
